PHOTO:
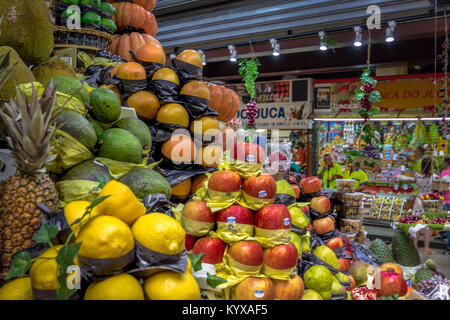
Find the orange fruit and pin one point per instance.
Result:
(173, 113)
(166, 74)
(204, 124)
(179, 148)
(145, 103)
(191, 57)
(197, 89)
(182, 189)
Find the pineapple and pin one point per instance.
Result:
(29, 126)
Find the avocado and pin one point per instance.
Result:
(27, 28)
(105, 105)
(106, 6)
(21, 74)
(78, 127)
(88, 170)
(71, 86)
(97, 127)
(144, 181)
(138, 128)
(91, 18)
(109, 24)
(52, 67)
(120, 145)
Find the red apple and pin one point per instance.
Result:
(197, 211)
(311, 184)
(213, 249)
(291, 289)
(263, 187)
(235, 214)
(335, 243)
(277, 156)
(273, 217)
(352, 283)
(281, 257)
(189, 242)
(305, 209)
(345, 263)
(225, 181)
(248, 253)
(248, 152)
(296, 190)
(321, 204)
(255, 289)
(323, 225)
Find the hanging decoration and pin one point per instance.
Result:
(249, 69)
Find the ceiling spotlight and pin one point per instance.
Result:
(203, 56)
(233, 53)
(275, 47)
(173, 56)
(358, 37)
(390, 31)
(323, 44)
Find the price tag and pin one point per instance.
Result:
(441, 153)
(402, 168)
(405, 187)
(395, 156)
(396, 187)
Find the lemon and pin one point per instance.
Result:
(105, 237)
(75, 210)
(118, 287)
(170, 285)
(121, 203)
(160, 233)
(18, 289)
(44, 271)
(189, 266)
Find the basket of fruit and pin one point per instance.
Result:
(84, 38)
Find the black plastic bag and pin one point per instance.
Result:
(285, 199)
(197, 107)
(165, 90)
(309, 260)
(150, 67)
(158, 203)
(187, 71)
(177, 176)
(315, 240)
(128, 87)
(102, 76)
(299, 231)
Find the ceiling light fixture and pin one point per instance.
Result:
(275, 47)
(390, 31)
(323, 44)
(233, 53)
(358, 37)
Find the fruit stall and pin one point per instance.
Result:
(125, 175)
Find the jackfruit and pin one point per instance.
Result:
(21, 74)
(52, 67)
(27, 27)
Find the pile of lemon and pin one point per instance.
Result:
(115, 225)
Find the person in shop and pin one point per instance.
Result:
(354, 172)
(446, 173)
(419, 154)
(424, 182)
(330, 172)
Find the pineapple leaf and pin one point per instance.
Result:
(196, 261)
(20, 264)
(45, 233)
(5, 67)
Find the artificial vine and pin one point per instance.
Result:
(249, 69)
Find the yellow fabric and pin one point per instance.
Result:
(117, 168)
(284, 187)
(246, 170)
(196, 228)
(68, 152)
(298, 217)
(284, 274)
(272, 238)
(75, 190)
(359, 176)
(61, 98)
(305, 242)
(328, 173)
(234, 232)
(216, 200)
(98, 61)
(252, 202)
(177, 211)
(240, 270)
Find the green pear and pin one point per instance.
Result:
(327, 255)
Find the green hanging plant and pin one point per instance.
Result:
(249, 69)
